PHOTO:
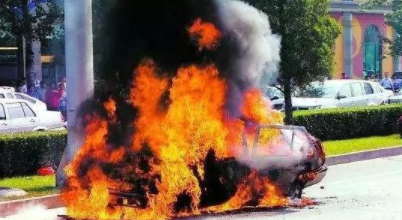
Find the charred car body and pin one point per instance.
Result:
(293, 160)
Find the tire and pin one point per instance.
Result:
(295, 190)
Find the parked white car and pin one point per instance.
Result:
(275, 97)
(17, 115)
(340, 93)
(6, 92)
(36, 103)
(397, 98)
(9, 93)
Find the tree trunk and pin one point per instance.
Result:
(288, 100)
(20, 58)
(28, 32)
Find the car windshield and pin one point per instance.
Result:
(318, 90)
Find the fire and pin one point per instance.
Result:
(206, 34)
(254, 191)
(110, 107)
(179, 122)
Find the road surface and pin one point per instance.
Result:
(368, 190)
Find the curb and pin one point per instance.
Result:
(11, 207)
(363, 155)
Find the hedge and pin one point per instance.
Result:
(347, 123)
(23, 153)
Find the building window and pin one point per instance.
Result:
(372, 51)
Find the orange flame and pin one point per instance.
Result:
(179, 121)
(110, 107)
(205, 33)
(253, 187)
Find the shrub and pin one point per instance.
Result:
(24, 153)
(346, 123)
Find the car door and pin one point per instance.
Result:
(344, 96)
(22, 118)
(371, 97)
(359, 98)
(4, 124)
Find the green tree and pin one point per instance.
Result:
(308, 35)
(393, 19)
(25, 21)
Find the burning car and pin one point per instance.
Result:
(293, 160)
(183, 127)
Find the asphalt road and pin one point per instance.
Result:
(367, 190)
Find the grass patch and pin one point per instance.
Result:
(361, 144)
(33, 185)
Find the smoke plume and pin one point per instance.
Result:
(287, 149)
(258, 48)
(250, 47)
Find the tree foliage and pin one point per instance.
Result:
(35, 20)
(308, 35)
(393, 19)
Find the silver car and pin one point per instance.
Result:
(339, 94)
(18, 115)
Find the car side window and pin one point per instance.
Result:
(345, 91)
(368, 89)
(15, 110)
(27, 110)
(2, 96)
(2, 113)
(18, 96)
(29, 99)
(357, 89)
(10, 96)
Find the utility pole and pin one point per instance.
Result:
(24, 57)
(79, 72)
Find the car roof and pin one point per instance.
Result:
(6, 88)
(339, 82)
(6, 100)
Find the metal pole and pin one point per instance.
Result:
(348, 43)
(397, 60)
(79, 71)
(24, 56)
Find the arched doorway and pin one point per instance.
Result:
(372, 51)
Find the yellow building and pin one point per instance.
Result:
(359, 50)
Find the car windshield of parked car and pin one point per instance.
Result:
(318, 90)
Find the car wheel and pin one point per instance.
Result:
(295, 190)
